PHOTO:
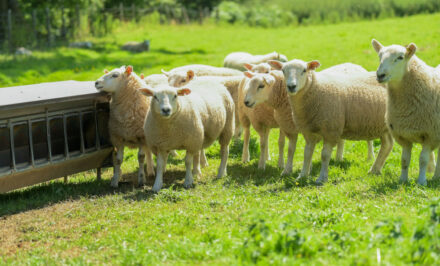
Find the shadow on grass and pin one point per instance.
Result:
(390, 183)
(45, 194)
(171, 52)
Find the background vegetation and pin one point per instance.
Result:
(44, 24)
(250, 216)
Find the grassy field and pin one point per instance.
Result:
(250, 216)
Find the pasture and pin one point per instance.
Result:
(250, 216)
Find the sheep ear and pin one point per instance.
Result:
(142, 76)
(105, 71)
(165, 73)
(265, 81)
(248, 66)
(277, 65)
(190, 75)
(410, 50)
(128, 70)
(182, 92)
(312, 65)
(248, 74)
(376, 45)
(146, 92)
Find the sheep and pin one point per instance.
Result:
(189, 118)
(238, 59)
(335, 106)
(127, 114)
(83, 45)
(267, 89)
(23, 51)
(137, 46)
(349, 68)
(203, 70)
(413, 107)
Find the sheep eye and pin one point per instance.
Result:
(304, 71)
(115, 75)
(175, 96)
(260, 86)
(155, 97)
(400, 57)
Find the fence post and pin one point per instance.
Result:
(63, 23)
(9, 36)
(185, 15)
(121, 12)
(200, 15)
(78, 19)
(49, 36)
(34, 26)
(104, 20)
(133, 12)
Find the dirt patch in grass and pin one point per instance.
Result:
(36, 228)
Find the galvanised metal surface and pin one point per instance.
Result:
(51, 130)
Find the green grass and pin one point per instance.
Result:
(250, 216)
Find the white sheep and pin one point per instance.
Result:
(127, 114)
(267, 89)
(413, 107)
(189, 118)
(335, 106)
(262, 119)
(237, 60)
(137, 46)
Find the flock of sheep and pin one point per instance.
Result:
(190, 107)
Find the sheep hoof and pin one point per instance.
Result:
(301, 178)
(422, 182)
(374, 172)
(403, 180)
(187, 185)
(286, 171)
(156, 188)
(114, 182)
(321, 181)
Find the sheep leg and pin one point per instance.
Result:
(290, 154)
(245, 154)
(423, 164)
(150, 162)
(141, 172)
(340, 151)
(431, 164)
(161, 162)
(237, 132)
(263, 146)
(437, 167)
(281, 143)
(385, 148)
(196, 165)
(203, 160)
(118, 157)
(308, 153)
(370, 155)
(326, 154)
(189, 159)
(266, 150)
(406, 159)
(224, 153)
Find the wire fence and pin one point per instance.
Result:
(46, 28)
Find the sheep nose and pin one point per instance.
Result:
(380, 76)
(166, 111)
(291, 87)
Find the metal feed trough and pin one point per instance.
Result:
(51, 130)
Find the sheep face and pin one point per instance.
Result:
(296, 73)
(393, 61)
(259, 68)
(165, 100)
(114, 80)
(258, 88)
(179, 79)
